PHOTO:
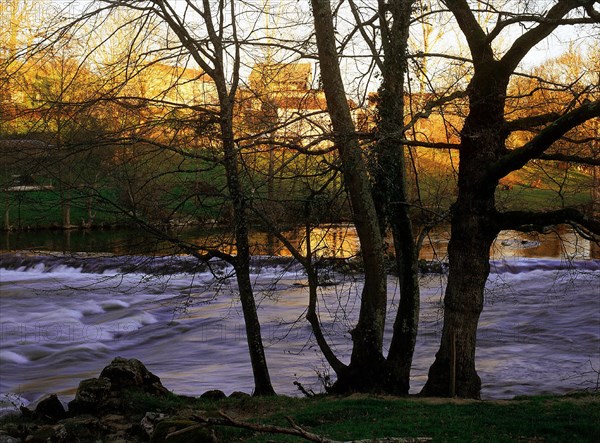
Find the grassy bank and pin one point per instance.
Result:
(526, 189)
(571, 418)
(549, 418)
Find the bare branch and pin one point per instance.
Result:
(523, 44)
(531, 121)
(476, 38)
(295, 430)
(517, 158)
(571, 159)
(527, 221)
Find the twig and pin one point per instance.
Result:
(303, 389)
(295, 430)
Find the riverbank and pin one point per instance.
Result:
(574, 417)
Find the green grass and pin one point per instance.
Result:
(530, 190)
(548, 418)
(42, 209)
(573, 418)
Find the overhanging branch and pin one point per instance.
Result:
(517, 158)
(571, 159)
(532, 121)
(529, 221)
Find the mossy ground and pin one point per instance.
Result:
(573, 418)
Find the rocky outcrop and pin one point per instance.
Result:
(97, 395)
(214, 394)
(104, 410)
(99, 412)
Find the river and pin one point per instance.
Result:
(63, 317)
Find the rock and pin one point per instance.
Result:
(239, 394)
(105, 394)
(197, 432)
(4, 438)
(42, 434)
(26, 412)
(91, 394)
(50, 408)
(8, 432)
(215, 394)
(82, 428)
(150, 420)
(132, 373)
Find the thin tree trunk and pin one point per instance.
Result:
(391, 193)
(312, 315)
(7, 212)
(66, 210)
(262, 380)
(367, 362)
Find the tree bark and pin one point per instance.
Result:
(367, 363)
(471, 239)
(260, 371)
(390, 190)
(473, 230)
(484, 159)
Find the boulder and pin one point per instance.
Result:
(214, 394)
(239, 394)
(50, 408)
(150, 420)
(105, 394)
(91, 395)
(125, 374)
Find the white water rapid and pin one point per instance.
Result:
(64, 318)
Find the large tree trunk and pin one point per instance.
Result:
(453, 372)
(473, 229)
(66, 209)
(260, 371)
(367, 363)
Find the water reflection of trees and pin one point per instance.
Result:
(332, 241)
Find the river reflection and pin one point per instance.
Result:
(335, 240)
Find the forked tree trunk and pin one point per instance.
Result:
(391, 192)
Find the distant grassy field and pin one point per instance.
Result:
(528, 188)
(42, 209)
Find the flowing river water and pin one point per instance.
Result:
(64, 316)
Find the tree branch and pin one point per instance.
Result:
(517, 158)
(517, 19)
(527, 221)
(295, 430)
(476, 38)
(531, 121)
(571, 159)
(528, 40)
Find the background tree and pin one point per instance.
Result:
(215, 48)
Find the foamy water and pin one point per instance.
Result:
(64, 319)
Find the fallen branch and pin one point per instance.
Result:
(295, 430)
(302, 389)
